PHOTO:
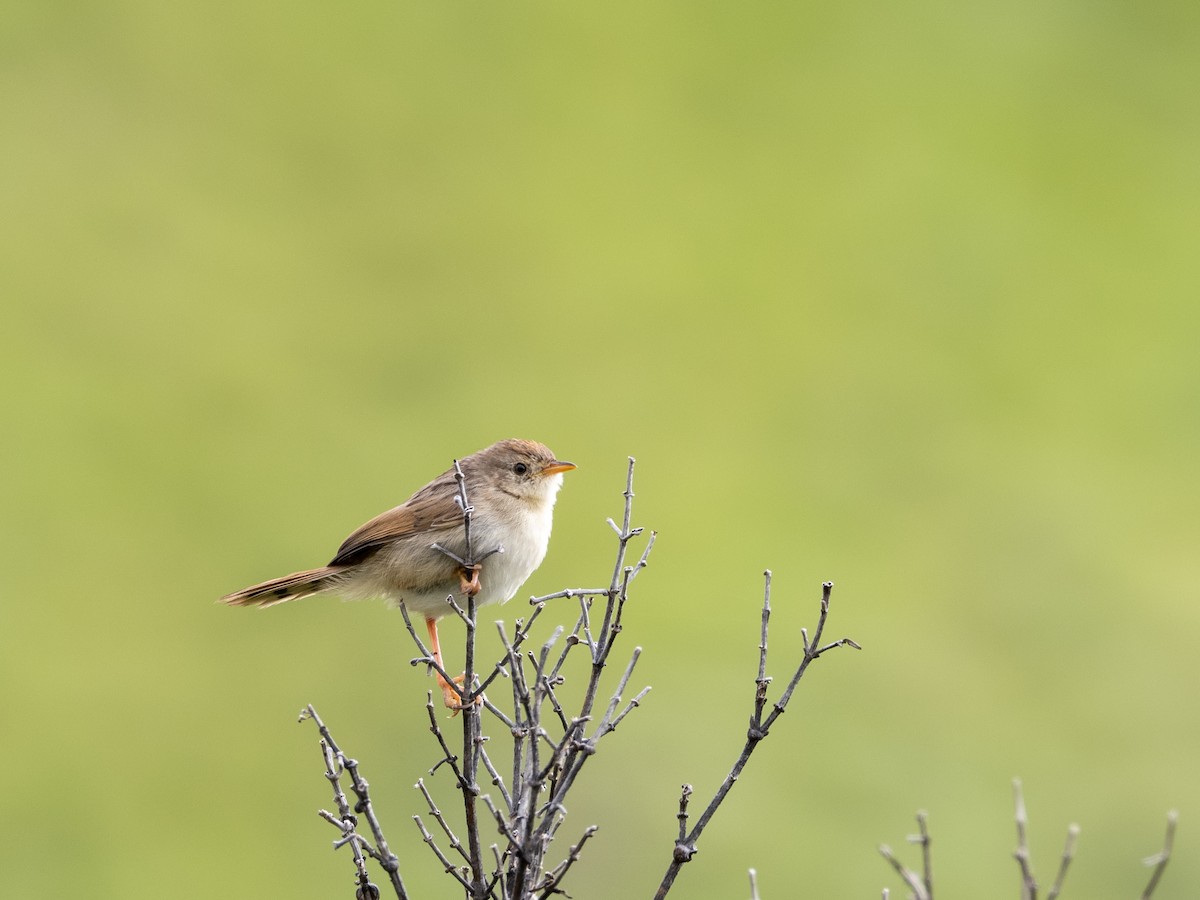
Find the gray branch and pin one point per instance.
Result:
(1160, 859)
(760, 726)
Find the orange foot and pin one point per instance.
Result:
(451, 697)
(468, 579)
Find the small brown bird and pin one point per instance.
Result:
(511, 486)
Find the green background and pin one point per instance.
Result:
(900, 296)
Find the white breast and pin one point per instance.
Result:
(524, 549)
(502, 574)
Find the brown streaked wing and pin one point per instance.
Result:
(430, 509)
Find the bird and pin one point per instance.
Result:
(415, 553)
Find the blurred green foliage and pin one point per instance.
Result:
(899, 296)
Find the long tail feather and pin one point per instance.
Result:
(290, 587)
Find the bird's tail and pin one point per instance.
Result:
(290, 587)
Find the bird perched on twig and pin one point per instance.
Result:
(417, 553)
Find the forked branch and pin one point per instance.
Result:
(760, 726)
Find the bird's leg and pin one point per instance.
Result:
(450, 696)
(468, 579)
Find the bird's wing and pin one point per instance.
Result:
(431, 510)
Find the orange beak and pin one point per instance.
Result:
(558, 466)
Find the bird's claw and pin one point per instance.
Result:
(468, 580)
(452, 698)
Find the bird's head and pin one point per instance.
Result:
(525, 470)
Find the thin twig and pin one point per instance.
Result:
(685, 848)
(455, 843)
(1160, 859)
(554, 878)
(502, 823)
(685, 795)
(497, 779)
(472, 748)
(448, 867)
(920, 884)
(763, 682)
(907, 875)
(448, 758)
(1068, 854)
(572, 640)
(337, 762)
(629, 707)
(519, 636)
(812, 651)
(1021, 854)
(606, 725)
(568, 593)
(923, 839)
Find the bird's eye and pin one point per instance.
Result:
(521, 468)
